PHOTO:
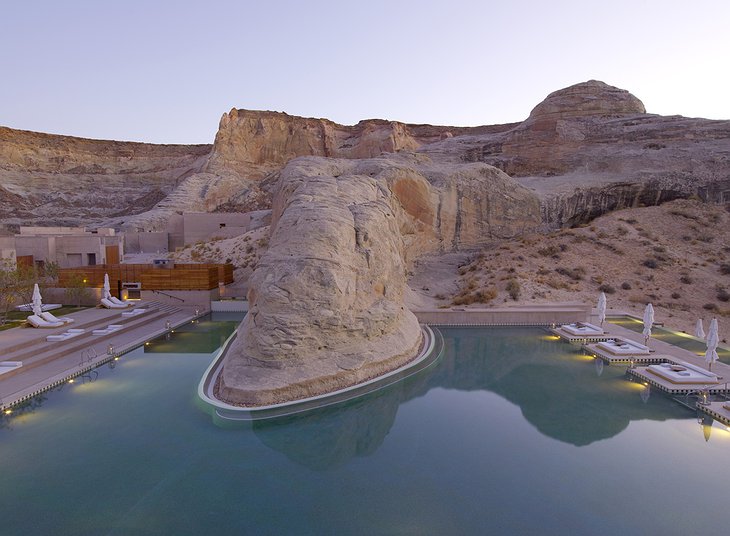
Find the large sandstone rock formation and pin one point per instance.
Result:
(326, 299)
(326, 304)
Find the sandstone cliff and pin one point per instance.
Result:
(47, 179)
(584, 150)
(591, 148)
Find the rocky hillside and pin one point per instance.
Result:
(63, 180)
(592, 148)
(584, 150)
(676, 256)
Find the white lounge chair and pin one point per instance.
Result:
(111, 305)
(134, 312)
(37, 322)
(117, 301)
(49, 317)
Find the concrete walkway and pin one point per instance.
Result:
(46, 364)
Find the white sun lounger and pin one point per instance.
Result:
(49, 317)
(7, 366)
(581, 328)
(134, 312)
(117, 301)
(37, 322)
(111, 305)
(65, 335)
(107, 330)
(683, 373)
(623, 347)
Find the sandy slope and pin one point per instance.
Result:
(671, 255)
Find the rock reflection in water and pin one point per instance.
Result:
(559, 393)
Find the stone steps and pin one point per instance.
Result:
(44, 351)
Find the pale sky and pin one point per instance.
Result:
(165, 71)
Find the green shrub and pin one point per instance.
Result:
(576, 274)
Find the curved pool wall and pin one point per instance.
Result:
(431, 351)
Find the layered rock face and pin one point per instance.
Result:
(326, 299)
(591, 148)
(47, 179)
(584, 150)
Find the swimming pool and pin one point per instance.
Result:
(510, 431)
(676, 338)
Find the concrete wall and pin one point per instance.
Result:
(229, 306)
(69, 247)
(145, 242)
(202, 226)
(52, 230)
(7, 249)
(526, 315)
(200, 298)
(43, 248)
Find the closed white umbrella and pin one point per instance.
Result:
(602, 308)
(648, 322)
(699, 330)
(37, 301)
(105, 293)
(713, 339)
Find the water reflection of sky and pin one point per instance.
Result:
(508, 432)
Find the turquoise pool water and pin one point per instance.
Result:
(510, 432)
(672, 337)
(201, 336)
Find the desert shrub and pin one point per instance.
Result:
(575, 274)
(683, 214)
(608, 289)
(626, 285)
(650, 263)
(723, 295)
(556, 283)
(513, 289)
(687, 280)
(676, 295)
(705, 237)
(710, 306)
(725, 269)
(480, 296)
(542, 271)
(621, 230)
(660, 249)
(563, 247)
(548, 251)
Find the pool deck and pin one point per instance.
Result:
(661, 351)
(717, 411)
(49, 363)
